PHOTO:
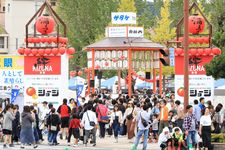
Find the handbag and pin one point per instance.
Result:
(92, 123)
(130, 116)
(144, 122)
(53, 128)
(104, 119)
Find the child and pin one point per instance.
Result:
(74, 127)
(155, 127)
(165, 139)
(178, 139)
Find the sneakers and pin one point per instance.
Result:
(94, 145)
(22, 147)
(5, 146)
(35, 146)
(134, 148)
(11, 145)
(68, 144)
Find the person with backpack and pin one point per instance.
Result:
(89, 123)
(64, 112)
(143, 121)
(53, 123)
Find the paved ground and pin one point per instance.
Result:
(102, 144)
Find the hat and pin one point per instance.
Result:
(44, 102)
(166, 129)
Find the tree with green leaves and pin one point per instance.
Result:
(127, 6)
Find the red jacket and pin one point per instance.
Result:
(74, 123)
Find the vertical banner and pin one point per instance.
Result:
(79, 90)
(14, 94)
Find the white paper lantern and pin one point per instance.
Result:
(120, 64)
(89, 54)
(89, 64)
(113, 54)
(96, 55)
(125, 64)
(119, 54)
(125, 54)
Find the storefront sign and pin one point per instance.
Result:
(124, 32)
(123, 18)
(42, 65)
(199, 86)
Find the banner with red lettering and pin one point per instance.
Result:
(42, 65)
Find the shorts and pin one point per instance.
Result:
(76, 133)
(65, 122)
(155, 132)
(7, 132)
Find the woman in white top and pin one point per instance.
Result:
(205, 129)
(115, 121)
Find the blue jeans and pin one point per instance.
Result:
(191, 138)
(116, 128)
(139, 135)
(36, 136)
(53, 137)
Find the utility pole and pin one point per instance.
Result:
(186, 59)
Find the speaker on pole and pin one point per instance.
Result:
(147, 75)
(92, 83)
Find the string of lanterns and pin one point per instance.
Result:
(199, 51)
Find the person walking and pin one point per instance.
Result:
(205, 129)
(35, 123)
(26, 135)
(217, 119)
(74, 128)
(53, 123)
(180, 114)
(64, 112)
(197, 111)
(103, 119)
(190, 126)
(143, 128)
(43, 117)
(115, 121)
(163, 116)
(16, 124)
(89, 123)
(7, 126)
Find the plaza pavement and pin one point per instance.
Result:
(102, 144)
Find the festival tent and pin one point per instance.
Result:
(109, 83)
(73, 82)
(219, 84)
(146, 85)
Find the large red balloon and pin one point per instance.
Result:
(196, 24)
(45, 24)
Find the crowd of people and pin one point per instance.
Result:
(142, 118)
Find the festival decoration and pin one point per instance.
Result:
(196, 24)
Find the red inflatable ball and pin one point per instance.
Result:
(207, 51)
(21, 51)
(55, 51)
(200, 51)
(45, 24)
(48, 51)
(27, 51)
(34, 52)
(62, 50)
(196, 24)
(70, 51)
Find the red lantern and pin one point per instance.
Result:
(114, 60)
(45, 24)
(196, 24)
(178, 51)
(21, 51)
(194, 40)
(200, 51)
(122, 57)
(29, 40)
(72, 73)
(97, 67)
(43, 40)
(48, 51)
(79, 73)
(193, 52)
(55, 51)
(62, 50)
(216, 51)
(181, 39)
(207, 51)
(201, 40)
(34, 52)
(190, 40)
(70, 51)
(41, 52)
(27, 51)
(106, 64)
(205, 39)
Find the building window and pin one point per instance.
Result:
(2, 42)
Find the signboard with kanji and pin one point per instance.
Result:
(124, 32)
(123, 18)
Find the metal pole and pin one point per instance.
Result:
(160, 76)
(119, 80)
(129, 72)
(186, 61)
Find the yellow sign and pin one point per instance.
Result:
(11, 62)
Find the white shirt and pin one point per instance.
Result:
(206, 120)
(119, 114)
(86, 122)
(146, 116)
(44, 112)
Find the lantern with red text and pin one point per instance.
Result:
(55, 51)
(21, 51)
(48, 51)
(41, 52)
(27, 51)
(196, 24)
(45, 24)
(34, 51)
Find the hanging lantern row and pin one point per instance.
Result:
(200, 40)
(46, 52)
(198, 51)
(74, 73)
(48, 40)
